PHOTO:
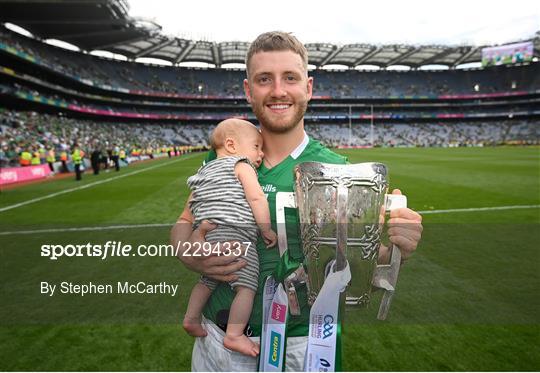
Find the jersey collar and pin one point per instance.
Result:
(296, 152)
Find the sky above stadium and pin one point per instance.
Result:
(347, 21)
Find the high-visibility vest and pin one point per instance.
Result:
(50, 156)
(76, 156)
(63, 156)
(35, 159)
(25, 159)
(122, 154)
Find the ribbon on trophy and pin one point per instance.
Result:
(324, 331)
(339, 209)
(273, 338)
(276, 300)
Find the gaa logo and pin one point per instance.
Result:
(328, 326)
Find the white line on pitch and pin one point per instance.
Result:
(113, 227)
(83, 229)
(475, 209)
(10, 207)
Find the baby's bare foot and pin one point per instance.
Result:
(241, 344)
(193, 327)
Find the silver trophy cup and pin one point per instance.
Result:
(341, 208)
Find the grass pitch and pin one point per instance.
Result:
(468, 300)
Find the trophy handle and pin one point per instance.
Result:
(385, 276)
(283, 199)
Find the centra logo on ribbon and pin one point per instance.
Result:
(275, 343)
(279, 311)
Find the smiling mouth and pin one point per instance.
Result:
(278, 107)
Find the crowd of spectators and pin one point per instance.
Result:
(316, 112)
(404, 125)
(442, 134)
(227, 83)
(20, 131)
(31, 131)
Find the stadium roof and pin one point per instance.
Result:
(106, 25)
(88, 24)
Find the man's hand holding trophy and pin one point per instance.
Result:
(341, 212)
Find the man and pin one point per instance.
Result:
(36, 160)
(123, 155)
(278, 89)
(76, 158)
(108, 158)
(64, 159)
(25, 158)
(95, 159)
(51, 158)
(115, 157)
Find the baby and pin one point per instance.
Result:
(226, 192)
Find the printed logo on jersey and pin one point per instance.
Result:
(269, 188)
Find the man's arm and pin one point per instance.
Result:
(220, 268)
(404, 230)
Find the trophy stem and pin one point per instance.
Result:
(341, 228)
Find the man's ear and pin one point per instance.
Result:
(310, 87)
(230, 145)
(247, 91)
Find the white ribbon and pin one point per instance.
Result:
(323, 321)
(275, 312)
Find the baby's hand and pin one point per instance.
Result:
(269, 237)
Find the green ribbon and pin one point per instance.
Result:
(285, 267)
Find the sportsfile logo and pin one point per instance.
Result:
(275, 342)
(278, 312)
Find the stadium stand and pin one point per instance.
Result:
(33, 131)
(225, 83)
(60, 97)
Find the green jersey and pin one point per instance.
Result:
(274, 180)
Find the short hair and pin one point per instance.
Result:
(276, 41)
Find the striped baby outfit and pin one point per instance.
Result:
(218, 196)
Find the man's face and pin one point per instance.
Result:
(278, 90)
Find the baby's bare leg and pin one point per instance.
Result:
(238, 318)
(192, 319)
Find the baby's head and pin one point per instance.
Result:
(237, 137)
